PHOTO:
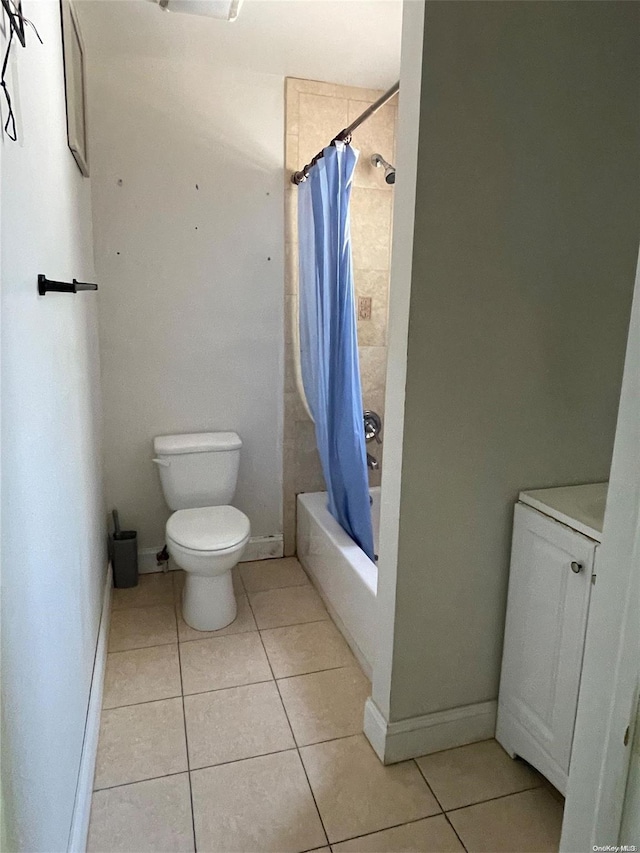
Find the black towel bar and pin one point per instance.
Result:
(47, 286)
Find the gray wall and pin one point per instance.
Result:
(527, 230)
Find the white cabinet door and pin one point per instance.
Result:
(549, 589)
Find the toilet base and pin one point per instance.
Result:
(208, 603)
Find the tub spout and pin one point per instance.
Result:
(372, 462)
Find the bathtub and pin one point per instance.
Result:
(344, 576)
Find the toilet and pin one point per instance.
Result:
(205, 535)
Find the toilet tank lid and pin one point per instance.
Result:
(196, 442)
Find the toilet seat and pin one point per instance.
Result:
(210, 528)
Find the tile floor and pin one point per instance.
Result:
(249, 740)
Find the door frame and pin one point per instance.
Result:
(611, 669)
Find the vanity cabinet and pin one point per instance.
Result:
(550, 584)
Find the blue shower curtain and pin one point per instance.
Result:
(328, 339)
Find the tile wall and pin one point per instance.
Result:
(315, 113)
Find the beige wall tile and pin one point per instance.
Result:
(375, 136)
(140, 742)
(259, 804)
(148, 817)
(371, 228)
(229, 725)
(308, 470)
(373, 370)
(356, 794)
(289, 523)
(141, 675)
(321, 118)
(291, 155)
(373, 284)
(275, 608)
(291, 105)
(295, 406)
(374, 401)
(355, 93)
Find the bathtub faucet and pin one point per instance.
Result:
(372, 462)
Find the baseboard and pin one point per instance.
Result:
(259, 548)
(147, 562)
(264, 548)
(84, 789)
(416, 736)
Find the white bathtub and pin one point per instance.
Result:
(345, 577)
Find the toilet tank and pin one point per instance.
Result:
(198, 469)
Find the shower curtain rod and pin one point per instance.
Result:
(345, 135)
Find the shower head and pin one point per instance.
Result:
(389, 171)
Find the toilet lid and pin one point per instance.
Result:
(210, 528)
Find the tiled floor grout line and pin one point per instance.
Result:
(455, 831)
(446, 817)
(304, 769)
(355, 665)
(293, 624)
(394, 826)
(140, 648)
(248, 631)
(184, 720)
(145, 702)
(293, 748)
(234, 687)
(140, 781)
(492, 799)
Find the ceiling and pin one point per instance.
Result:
(353, 42)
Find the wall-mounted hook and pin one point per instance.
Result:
(46, 286)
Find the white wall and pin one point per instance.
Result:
(191, 321)
(53, 541)
(188, 208)
(526, 229)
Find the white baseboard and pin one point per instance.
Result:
(147, 562)
(264, 548)
(84, 789)
(259, 548)
(416, 736)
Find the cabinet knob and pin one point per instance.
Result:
(576, 567)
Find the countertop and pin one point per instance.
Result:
(579, 507)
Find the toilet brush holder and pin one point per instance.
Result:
(124, 559)
(123, 553)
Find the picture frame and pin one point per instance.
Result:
(75, 85)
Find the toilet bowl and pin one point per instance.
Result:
(207, 543)
(205, 535)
